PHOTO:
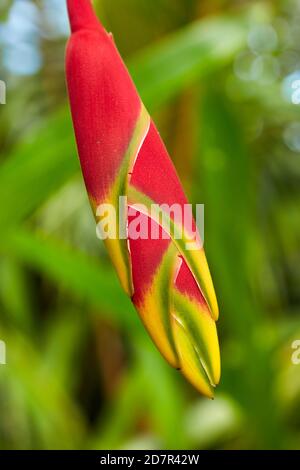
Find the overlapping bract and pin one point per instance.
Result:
(122, 154)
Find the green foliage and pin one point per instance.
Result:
(163, 70)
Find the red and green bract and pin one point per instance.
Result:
(122, 154)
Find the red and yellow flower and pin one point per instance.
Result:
(122, 154)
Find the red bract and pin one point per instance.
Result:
(122, 154)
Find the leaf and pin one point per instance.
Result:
(37, 167)
(54, 415)
(163, 70)
(224, 168)
(82, 275)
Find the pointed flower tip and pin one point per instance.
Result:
(208, 392)
(82, 16)
(206, 388)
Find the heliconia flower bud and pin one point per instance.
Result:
(122, 155)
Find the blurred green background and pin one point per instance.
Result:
(218, 77)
